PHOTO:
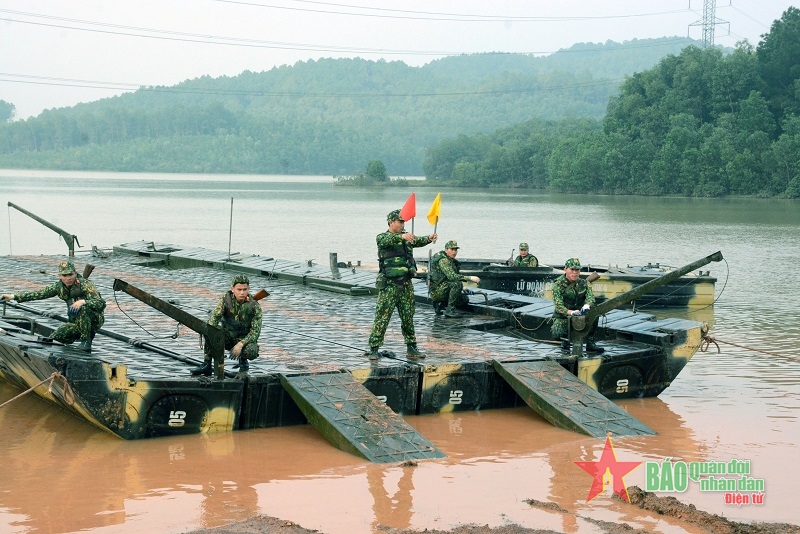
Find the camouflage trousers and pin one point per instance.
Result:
(390, 297)
(560, 328)
(249, 350)
(83, 325)
(451, 293)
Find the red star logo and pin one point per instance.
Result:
(608, 464)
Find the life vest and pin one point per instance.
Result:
(396, 262)
(437, 276)
(239, 327)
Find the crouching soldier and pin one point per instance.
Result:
(239, 316)
(84, 305)
(447, 282)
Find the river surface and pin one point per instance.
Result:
(742, 402)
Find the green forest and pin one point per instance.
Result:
(651, 117)
(325, 117)
(700, 123)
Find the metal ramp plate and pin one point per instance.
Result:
(354, 420)
(566, 402)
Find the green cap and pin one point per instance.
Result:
(451, 244)
(240, 279)
(523, 246)
(572, 263)
(394, 216)
(66, 267)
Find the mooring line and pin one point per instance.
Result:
(708, 340)
(51, 378)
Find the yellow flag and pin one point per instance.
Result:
(433, 214)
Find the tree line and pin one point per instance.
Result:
(699, 123)
(329, 116)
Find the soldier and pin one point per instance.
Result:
(396, 267)
(84, 305)
(239, 316)
(572, 295)
(524, 259)
(447, 282)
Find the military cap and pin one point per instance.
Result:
(394, 216)
(523, 246)
(451, 244)
(572, 263)
(66, 267)
(240, 279)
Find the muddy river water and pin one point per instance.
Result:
(741, 402)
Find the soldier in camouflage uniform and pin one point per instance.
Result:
(524, 259)
(239, 316)
(572, 295)
(84, 305)
(447, 282)
(396, 267)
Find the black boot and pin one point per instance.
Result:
(204, 369)
(86, 345)
(451, 312)
(438, 307)
(413, 352)
(373, 353)
(565, 345)
(591, 346)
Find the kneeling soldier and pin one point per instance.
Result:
(239, 316)
(84, 305)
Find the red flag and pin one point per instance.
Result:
(409, 209)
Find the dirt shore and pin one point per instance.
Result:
(667, 506)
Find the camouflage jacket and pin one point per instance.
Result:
(242, 321)
(445, 269)
(528, 261)
(81, 289)
(571, 295)
(395, 258)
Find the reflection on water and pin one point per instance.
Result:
(60, 475)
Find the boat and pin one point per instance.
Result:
(312, 369)
(694, 289)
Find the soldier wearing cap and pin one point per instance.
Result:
(84, 305)
(447, 282)
(525, 259)
(396, 268)
(572, 295)
(239, 316)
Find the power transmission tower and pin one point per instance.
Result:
(708, 22)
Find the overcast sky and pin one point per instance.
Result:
(56, 53)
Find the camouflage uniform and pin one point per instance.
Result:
(395, 290)
(528, 261)
(569, 296)
(89, 318)
(447, 282)
(239, 322)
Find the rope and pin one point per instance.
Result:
(708, 340)
(171, 336)
(69, 396)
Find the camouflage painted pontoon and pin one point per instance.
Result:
(312, 368)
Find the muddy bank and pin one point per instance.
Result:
(666, 506)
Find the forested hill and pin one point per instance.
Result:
(328, 116)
